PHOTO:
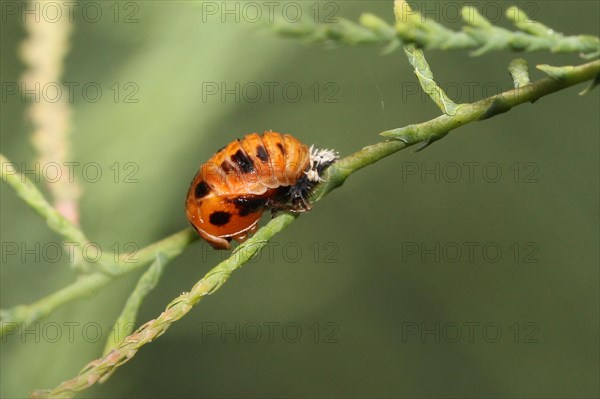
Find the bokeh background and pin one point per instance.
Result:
(352, 293)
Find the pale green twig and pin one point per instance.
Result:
(438, 127)
(555, 41)
(564, 72)
(491, 106)
(90, 284)
(99, 370)
(126, 320)
(518, 69)
(555, 72)
(14, 318)
(344, 31)
(86, 285)
(421, 66)
(428, 34)
(27, 191)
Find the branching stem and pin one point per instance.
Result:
(102, 368)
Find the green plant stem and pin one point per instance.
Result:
(334, 177)
(87, 285)
(14, 318)
(100, 369)
(72, 234)
(423, 132)
(421, 66)
(519, 72)
(29, 193)
(478, 34)
(126, 321)
(491, 106)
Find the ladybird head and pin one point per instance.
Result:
(319, 161)
(297, 195)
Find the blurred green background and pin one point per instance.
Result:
(354, 290)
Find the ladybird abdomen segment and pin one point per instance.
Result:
(297, 158)
(255, 148)
(255, 164)
(288, 157)
(231, 170)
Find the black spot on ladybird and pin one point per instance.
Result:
(226, 166)
(248, 205)
(219, 218)
(241, 159)
(201, 190)
(261, 153)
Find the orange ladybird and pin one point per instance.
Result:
(230, 192)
